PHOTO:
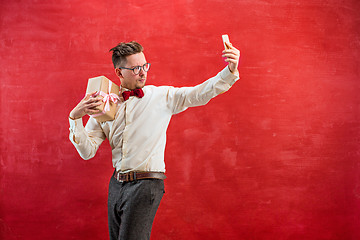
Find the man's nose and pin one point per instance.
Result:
(142, 72)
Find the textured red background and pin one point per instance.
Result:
(277, 157)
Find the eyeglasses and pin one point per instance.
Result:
(137, 69)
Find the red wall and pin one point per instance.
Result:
(277, 157)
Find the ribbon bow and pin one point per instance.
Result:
(137, 92)
(107, 98)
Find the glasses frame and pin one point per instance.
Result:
(137, 67)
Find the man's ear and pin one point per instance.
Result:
(118, 72)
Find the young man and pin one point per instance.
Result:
(137, 135)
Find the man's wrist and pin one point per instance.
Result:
(235, 72)
(72, 117)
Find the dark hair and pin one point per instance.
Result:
(122, 50)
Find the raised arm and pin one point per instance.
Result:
(181, 98)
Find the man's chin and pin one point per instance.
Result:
(140, 85)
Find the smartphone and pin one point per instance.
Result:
(225, 39)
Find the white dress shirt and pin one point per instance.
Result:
(137, 135)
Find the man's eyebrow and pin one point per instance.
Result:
(137, 65)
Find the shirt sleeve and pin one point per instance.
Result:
(179, 99)
(86, 140)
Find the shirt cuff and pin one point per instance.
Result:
(228, 76)
(76, 124)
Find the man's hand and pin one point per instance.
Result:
(86, 106)
(232, 57)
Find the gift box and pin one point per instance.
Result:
(109, 92)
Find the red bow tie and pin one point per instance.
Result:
(137, 92)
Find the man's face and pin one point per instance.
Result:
(127, 77)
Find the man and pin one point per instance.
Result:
(137, 135)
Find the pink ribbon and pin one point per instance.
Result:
(107, 98)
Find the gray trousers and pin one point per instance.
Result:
(132, 207)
